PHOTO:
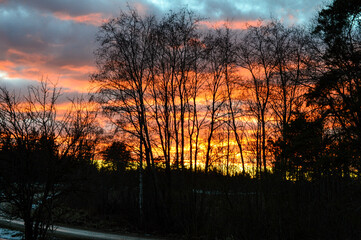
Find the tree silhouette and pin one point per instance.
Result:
(300, 150)
(38, 150)
(117, 156)
(338, 89)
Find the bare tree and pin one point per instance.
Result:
(233, 87)
(126, 60)
(289, 46)
(125, 69)
(255, 55)
(37, 150)
(195, 87)
(215, 87)
(178, 35)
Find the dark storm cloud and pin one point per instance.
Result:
(31, 31)
(57, 37)
(248, 10)
(30, 25)
(34, 27)
(83, 7)
(79, 7)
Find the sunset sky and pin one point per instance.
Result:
(55, 39)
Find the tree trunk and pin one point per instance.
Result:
(141, 216)
(264, 142)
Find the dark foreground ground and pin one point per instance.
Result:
(11, 230)
(184, 205)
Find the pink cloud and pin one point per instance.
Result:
(141, 8)
(79, 69)
(231, 24)
(93, 18)
(292, 19)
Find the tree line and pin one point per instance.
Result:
(271, 96)
(41, 153)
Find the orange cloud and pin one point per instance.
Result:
(29, 66)
(92, 18)
(231, 24)
(74, 84)
(22, 65)
(80, 69)
(12, 70)
(6, 65)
